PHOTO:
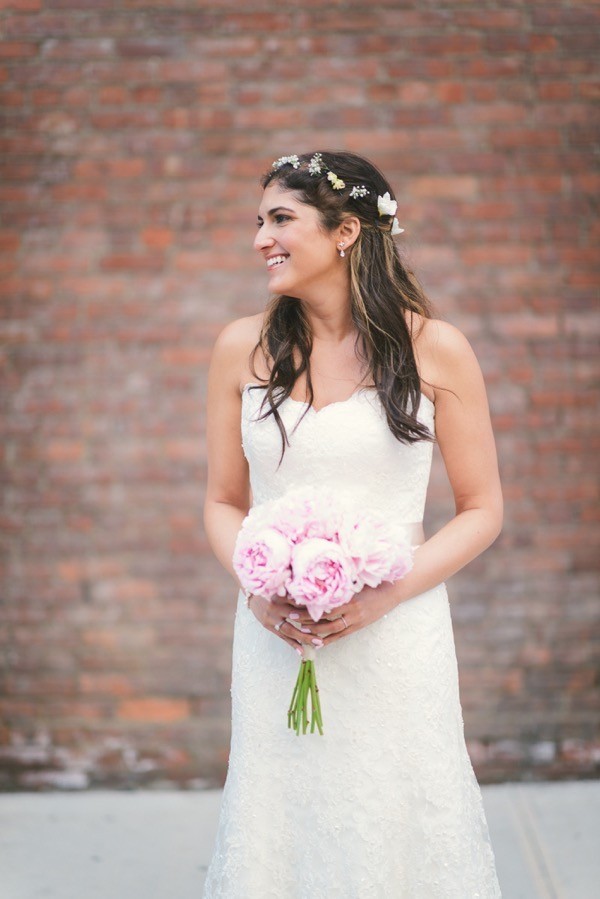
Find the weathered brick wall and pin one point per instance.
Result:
(133, 137)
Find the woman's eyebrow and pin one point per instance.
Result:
(272, 211)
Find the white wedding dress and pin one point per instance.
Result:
(384, 805)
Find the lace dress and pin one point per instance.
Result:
(384, 805)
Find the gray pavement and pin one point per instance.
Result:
(156, 845)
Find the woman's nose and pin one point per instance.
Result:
(262, 239)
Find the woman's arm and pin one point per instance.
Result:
(227, 488)
(228, 483)
(466, 441)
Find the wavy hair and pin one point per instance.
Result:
(381, 290)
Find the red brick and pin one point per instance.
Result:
(450, 92)
(590, 90)
(113, 94)
(130, 262)
(21, 5)
(69, 192)
(461, 187)
(543, 43)
(489, 19)
(157, 238)
(126, 168)
(491, 254)
(527, 326)
(555, 90)
(146, 94)
(17, 50)
(105, 684)
(155, 710)
(579, 16)
(185, 356)
(9, 241)
(525, 137)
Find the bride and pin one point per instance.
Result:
(346, 381)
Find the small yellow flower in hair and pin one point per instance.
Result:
(336, 182)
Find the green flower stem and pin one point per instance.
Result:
(316, 702)
(296, 703)
(305, 691)
(292, 709)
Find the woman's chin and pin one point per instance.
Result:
(277, 282)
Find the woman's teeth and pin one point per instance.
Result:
(276, 260)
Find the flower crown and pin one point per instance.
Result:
(385, 205)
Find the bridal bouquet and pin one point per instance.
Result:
(317, 549)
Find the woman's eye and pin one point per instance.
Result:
(278, 218)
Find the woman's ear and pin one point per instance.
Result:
(349, 230)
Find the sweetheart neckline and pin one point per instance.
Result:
(329, 405)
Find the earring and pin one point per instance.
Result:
(342, 254)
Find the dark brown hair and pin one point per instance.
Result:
(381, 290)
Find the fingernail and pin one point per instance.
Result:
(298, 650)
(317, 641)
(305, 630)
(293, 615)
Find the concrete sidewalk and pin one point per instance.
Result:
(156, 845)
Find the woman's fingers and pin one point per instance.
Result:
(294, 624)
(302, 636)
(324, 628)
(289, 609)
(338, 636)
(293, 643)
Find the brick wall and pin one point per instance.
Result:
(133, 137)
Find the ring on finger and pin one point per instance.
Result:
(345, 622)
(279, 624)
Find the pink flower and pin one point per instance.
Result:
(323, 577)
(376, 550)
(402, 563)
(299, 515)
(262, 560)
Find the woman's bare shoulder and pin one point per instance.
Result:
(438, 335)
(444, 342)
(234, 346)
(447, 359)
(241, 331)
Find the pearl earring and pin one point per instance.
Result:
(342, 254)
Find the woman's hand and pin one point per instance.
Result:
(363, 609)
(285, 619)
(366, 607)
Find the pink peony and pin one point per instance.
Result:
(299, 515)
(262, 560)
(377, 551)
(323, 577)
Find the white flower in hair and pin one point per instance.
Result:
(385, 205)
(359, 190)
(396, 229)
(314, 166)
(286, 160)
